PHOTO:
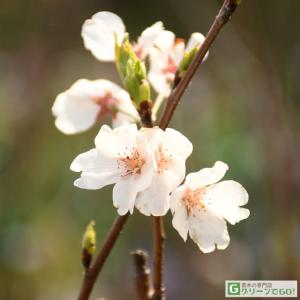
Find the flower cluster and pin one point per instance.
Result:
(146, 165)
(86, 102)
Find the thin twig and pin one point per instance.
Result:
(158, 261)
(142, 278)
(90, 277)
(221, 19)
(92, 274)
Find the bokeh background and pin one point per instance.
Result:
(242, 108)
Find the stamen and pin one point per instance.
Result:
(195, 199)
(131, 162)
(108, 103)
(163, 159)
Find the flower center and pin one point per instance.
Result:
(195, 199)
(107, 103)
(171, 66)
(163, 159)
(170, 69)
(130, 162)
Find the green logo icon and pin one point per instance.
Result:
(233, 288)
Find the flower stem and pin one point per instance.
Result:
(93, 272)
(158, 261)
(221, 19)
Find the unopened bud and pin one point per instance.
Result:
(88, 245)
(186, 61)
(133, 73)
(144, 90)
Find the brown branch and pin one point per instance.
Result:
(221, 19)
(158, 261)
(142, 278)
(92, 273)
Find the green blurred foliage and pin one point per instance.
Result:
(242, 108)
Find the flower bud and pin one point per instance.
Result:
(144, 90)
(133, 72)
(186, 61)
(88, 245)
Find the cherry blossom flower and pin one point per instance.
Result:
(170, 149)
(105, 28)
(85, 102)
(121, 156)
(202, 204)
(165, 58)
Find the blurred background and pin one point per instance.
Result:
(242, 108)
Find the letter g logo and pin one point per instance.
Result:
(233, 288)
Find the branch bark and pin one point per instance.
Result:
(221, 19)
(158, 261)
(93, 272)
(142, 278)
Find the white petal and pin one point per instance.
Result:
(165, 40)
(177, 143)
(180, 217)
(97, 170)
(176, 148)
(148, 37)
(95, 181)
(155, 136)
(160, 83)
(206, 176)
(127, 112)
(99, 32)
(208, 231)
(177, 52)
(85, 161)
(112, 142)
(124, 195)
(226, 197)
(100, 166)
(195, 39)
(155, 200)
(125, 192)
(156, 76)
(176, 173)
(74, 110)
(176, 197)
